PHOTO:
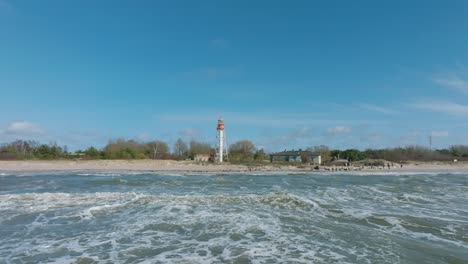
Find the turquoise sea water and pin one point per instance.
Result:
(274, 218)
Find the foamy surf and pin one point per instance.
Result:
(159, 218)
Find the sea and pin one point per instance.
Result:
(281, 217)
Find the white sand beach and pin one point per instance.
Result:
(188, 166)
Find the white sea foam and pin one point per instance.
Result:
(278, 222)
(119, 173)
(391, 173)
(245, 230)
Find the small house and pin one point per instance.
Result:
(202, 157)
(296, 156)
(340, 162)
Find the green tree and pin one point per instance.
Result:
(9, 152)
(93, 153)
(122, 149)
(48, 152)
(242, 150)
(259, 155)
(459, 150)
(197, 148)
(353, 155)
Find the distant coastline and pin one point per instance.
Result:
(190, 166)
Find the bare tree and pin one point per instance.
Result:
(180, 149)
(323, 151)
(159, 149)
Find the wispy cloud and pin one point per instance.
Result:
(440, 133)
(143, 136)
(448, 108)
(294, 138)
(339, 130)
(260, 119)
(23, 128)
(453, 81)
(378, 109)
(294, 135)
(412, 137)
(190, 133)
(300, 133)
(372, 137)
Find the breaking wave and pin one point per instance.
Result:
(231, 219)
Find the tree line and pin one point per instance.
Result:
(157, 149)
(397, 154)
(240, 151)
(30, 149)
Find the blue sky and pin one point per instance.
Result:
(284, 74)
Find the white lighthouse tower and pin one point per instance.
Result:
(221, 141)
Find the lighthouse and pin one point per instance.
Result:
(221, 140)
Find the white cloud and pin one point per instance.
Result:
(447, 108)
(190, 133)
(143, 136)
(453, 82)
(292, 139)
(440, 133)
(300, 133)
(373, 136)
(339, 130)
(412, 137)
(23, 128)
(293, 136)
(378, 109)
(261, 119)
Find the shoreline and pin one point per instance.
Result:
(190, 166)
